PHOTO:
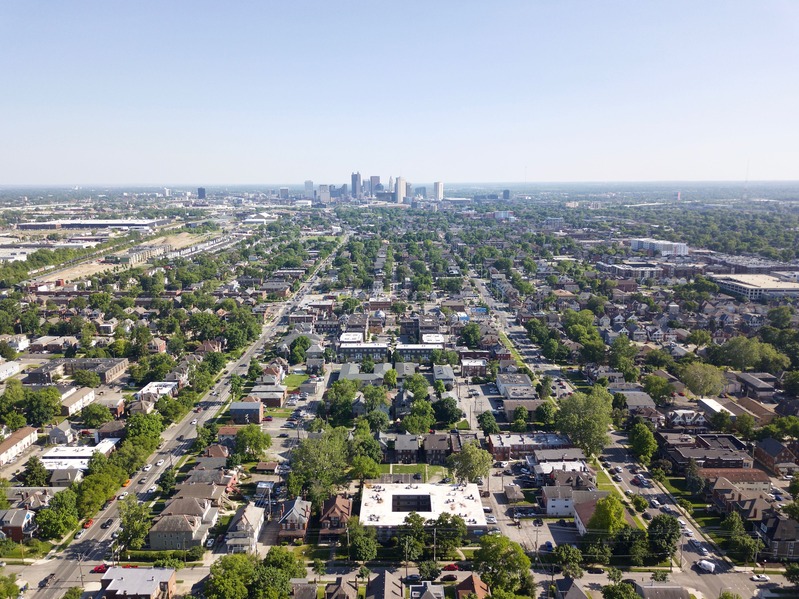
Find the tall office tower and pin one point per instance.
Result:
(284, 193)
(400, 192)
(309, 190)
(201, 193)
(167, 192)
(506, 194)
(374, 183)
(420, 192)
(438, 191)
(357, 192)
(391, 184)
(324, 194)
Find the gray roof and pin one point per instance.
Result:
(136, 581)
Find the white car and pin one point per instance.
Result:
(688, 533)
(491, 519)
(194, 421)
(760, 578)
(148, 467)
(123, 495)
(159, 463)
(152, 489)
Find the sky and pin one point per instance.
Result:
(214, 93)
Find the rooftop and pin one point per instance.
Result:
(388, 504)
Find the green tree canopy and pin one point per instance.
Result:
(501, 563)
(585, 419)
(470, 463)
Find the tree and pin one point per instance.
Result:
(236, 385)
(792, 573)
(60, 516)
(421, 418)
(745, 425)
(231, 575)
(362, 541)
(470, 463)
(793, 486)
(660, 576)
(286, 561)
(378, 421)
(658, 388)
(390, 378)
(319, 569)
(664, 535)
(693, 481)
(642, 443)
(35, 474)
(429, 570)
(252, 442)
(703, 379)
(450, 532)
(699, 337)
(72, 593)
(585, 419)
(471, 335)
(134, 520)
(488, 423)
(447, 410)
(95, 415)
(721, 421)
(167, 481)
(364, 467)
(686, 506)
(608, 516)
(319, 466)
(374, 398)
(545, 413)
(620, 590)
(86, 378)
(42, 405)
(639, 503)
(569, 559)
(733, 524)
(501, 563)
(729, 595)
(412, 536)
(254, 370)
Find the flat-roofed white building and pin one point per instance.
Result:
(754, 287)
(351, 337)
(61, 458)
(9, 369)
(385, 506)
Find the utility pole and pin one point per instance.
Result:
(407, 542)
(434, 543)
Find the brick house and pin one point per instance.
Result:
(775, 457)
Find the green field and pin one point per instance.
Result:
(293, 381)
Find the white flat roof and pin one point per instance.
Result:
(432, 338)
(63, 452)
(764, 282)
(461, 500)
(351, 337)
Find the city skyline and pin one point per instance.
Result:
(197, 94)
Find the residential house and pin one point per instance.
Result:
(560, 500)
(249, 410)
(335, 515)
(780, 535)
(651, 590)
(427, 590)
(775, 457)
(138, 583)
(17, 524)
(177, 532)
(62, 433)
(445, 374)
(75, 402)
(244, 530)
(436, 448)
(192, 506)
(406, 449)
(568, 588)
(17, 442)
(472, 585)
(386, 585)
(64, 477)
(341, 589)
(295, 519)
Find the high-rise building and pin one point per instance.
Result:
(506, 194)
(167, 192)
(391, 184)
(309, 189)
(400, 190)
(324, 194)
(357, 192)
(201, 193)
(374, 184)
(438, 191)
(284, 193)
(420, 192)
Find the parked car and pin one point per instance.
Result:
(646, 516)
(760, 578)
(159, 463)
(548, 546)
(451, 568)
(88, 523)
(449, 578)
(209, 543)
(412, 578)
(107, 523)
(100, 569)
(595, 570)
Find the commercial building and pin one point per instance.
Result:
(62, 458)
(665, 248)
(755, 287)
(108, 369)
(385, 506)
(138, 583)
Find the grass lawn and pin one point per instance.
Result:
(463, 425)
(603, 481)
(293, 381)
(514, 352)
(407, 468)
(279, 412)
(385, 468)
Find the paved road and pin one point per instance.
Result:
(72, 566)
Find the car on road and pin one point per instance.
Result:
(491, 519)
(760, 578)
(147, 467)
(193, 422)
(115, 534)
(88, 523)
(107, 523)
(538, 522)
(78, 535)
(100, 569)
(45, 582)
(646, 516)
(143, 481)
(123, 495)
(159, 463)
(152, 489)
(451, 568)
(210, 543)
(617, 478)
(689, 533)
(413, 578)
(548, 546)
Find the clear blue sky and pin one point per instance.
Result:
(205, 93)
